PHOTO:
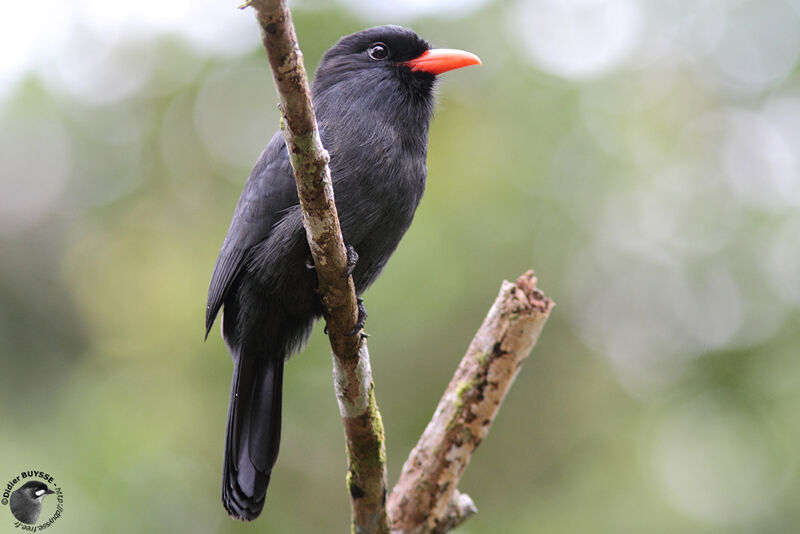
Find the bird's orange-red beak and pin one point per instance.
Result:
(439, 60)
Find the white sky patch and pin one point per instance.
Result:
(39, 35)
(208, 24)
(577, 38)
(27, 31)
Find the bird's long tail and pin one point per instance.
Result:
(253, 433)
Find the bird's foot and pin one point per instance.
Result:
(362, 318)
(310, 264)
(352, 260)
(360, 322)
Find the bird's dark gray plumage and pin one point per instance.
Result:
(373, 113)
(26, 502)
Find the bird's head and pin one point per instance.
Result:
(35, 490)
(387, 57)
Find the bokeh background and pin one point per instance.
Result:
(640, 155)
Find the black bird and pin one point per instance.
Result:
(373, 97)
(26, 502)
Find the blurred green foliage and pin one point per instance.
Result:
(657, 197)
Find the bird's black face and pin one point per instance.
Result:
(388, 52)
(380, 47)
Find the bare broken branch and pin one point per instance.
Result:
(425, 499)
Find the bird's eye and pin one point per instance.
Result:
(378, 51)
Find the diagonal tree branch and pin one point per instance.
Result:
(366, 454)
(425, 499)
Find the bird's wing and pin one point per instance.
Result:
(269, 191)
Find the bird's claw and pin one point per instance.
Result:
(310, 264)
(352, 260)
(362, 318)
(360, 322)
